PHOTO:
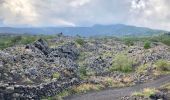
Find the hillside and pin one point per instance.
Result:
(53, 68)
(100, 30)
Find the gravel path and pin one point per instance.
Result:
(115, 94)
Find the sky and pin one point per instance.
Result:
(45, 13)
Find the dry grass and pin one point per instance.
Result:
(142, 69)
(162, 65)
(110, 82)
(83, 88)
(146, 92)
(127, 80)
(166, 86)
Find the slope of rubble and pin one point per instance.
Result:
(44, 69)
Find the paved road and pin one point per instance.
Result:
(115, 94)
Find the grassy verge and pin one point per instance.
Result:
(147, 92)
(11, 40)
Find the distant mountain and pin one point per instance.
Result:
(107, 30)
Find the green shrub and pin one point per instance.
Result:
(147, 45)
(83, 71)
(122, 63)
(56, 75)
(162, 65)
(80, 41)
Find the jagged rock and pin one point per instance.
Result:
(98, 64)
(66, 51)
(41, 44)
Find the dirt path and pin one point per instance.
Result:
(115, 94)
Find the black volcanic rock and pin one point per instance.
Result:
(28, 72)
(42, 45)
(66, 51)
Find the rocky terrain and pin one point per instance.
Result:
(145, 91)
(46, 68)
(159, 93)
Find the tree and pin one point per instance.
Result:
(147, 45)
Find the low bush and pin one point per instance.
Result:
(56, 75)
(82, 71)
(80, 41)
(147, 45)
(122, 63)
(162, 65)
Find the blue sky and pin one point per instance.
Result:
(38, 13)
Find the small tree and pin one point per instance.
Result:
(147, 45)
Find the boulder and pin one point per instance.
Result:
(40, 44)
(66, 51)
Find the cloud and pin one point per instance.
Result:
(17, 12)
(77, 3)
(151, 13)
(148, 13)
(138, 4)
(31, 13)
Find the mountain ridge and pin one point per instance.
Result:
(98, 29)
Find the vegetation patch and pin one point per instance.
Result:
(11, 40)
(83, 71)
(147, 92)
(83, 88)
(166, 86)
(122, 63)
(163, 38)
(56, 75)
(162, 65)
(110, 82)
(142, 69)
(147, 45)
(128, 42)
(80, 41)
